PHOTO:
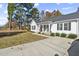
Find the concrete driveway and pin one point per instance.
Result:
(48, 47)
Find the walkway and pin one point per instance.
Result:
(47, 47)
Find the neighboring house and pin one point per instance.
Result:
(62, 24)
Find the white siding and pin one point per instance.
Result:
(78, 27)
(73, 28)
(33, 23)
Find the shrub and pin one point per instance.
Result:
(42, 33)
(39, 32)
(52, 34)
(57, 34)
(63, 35)
(72, 36)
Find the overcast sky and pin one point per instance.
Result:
(64, 8)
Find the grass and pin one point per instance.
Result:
(20, 38)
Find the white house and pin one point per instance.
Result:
(34, 26)
(61, 24)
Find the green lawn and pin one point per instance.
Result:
(20, 38)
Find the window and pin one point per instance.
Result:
(47, 27)
(67, 26)
(44, 27)
(41, 28)
(33, 27)
(59, 26)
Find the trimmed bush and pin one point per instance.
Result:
(72, 36)
(39, 32)
(57, 34)
(42, 33)
(63, 35)
(52, 34)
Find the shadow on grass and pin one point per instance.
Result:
(3, 34)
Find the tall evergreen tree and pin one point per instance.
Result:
(11, 8)
(18, 14)
(23, 13)
(35, 13)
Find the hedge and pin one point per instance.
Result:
(57, 34)
(52, 34)
(63, 35)
(72, 36)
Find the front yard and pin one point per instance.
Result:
(20, 38)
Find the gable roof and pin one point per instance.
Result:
(65, 17)
(36, 21)
(62, 17)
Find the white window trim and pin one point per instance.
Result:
(59, 26)
(33, 27)
(68, 26)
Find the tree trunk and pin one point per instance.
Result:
(10, 25)
(19, 26)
